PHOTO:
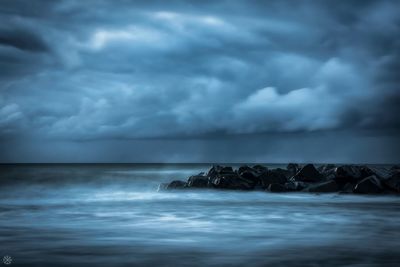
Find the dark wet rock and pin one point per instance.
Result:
(347, 173)
(325, 187)
(253, 177)
(197, 181)
(245, 168)
(393, 181)
(274, 176)
(347, 188)
(177, 184)
(276, 188)
(252, 174)
(381, 172)
(218, 170)
(249, 174)
(293, 168)
(352, 173)
(246, 171)
(226, 169)
(295, 186)
(369, 185)
(260, 169)
(366, 172)
(284, 172)
(326, 168)
(219, 182)
(329, 174)
(239, 183)
(328, 178)
(225, 178)
(232, 182)
(327, 171)
(349, 170)
(395, 167)
(308, 174)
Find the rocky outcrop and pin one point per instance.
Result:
(250, 174)
(277, 176)
(324, 179)
(369, 185)
(392, 182)
(232, 181)
(326, 168)
(260, 168)
(218, 170)
(277, 188)
(347, 188)
(176, 185)
(295, 186)
(351, 173)
(197, 181)
(293, 168)
(308, 174)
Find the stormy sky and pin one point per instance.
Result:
(199, 81)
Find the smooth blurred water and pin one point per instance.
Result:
(111, 215)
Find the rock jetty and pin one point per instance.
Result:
(327, 178)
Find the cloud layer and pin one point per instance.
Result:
(79, 70)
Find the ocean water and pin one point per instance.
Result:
(112, 215)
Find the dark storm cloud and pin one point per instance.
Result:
(84, 70)
(21, 39)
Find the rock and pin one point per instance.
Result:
(219, 182)
(251, 176)
(381, 172)
(325, 187)
(329, 174)
(308, 174)
(239, 183)
(274, 176)
(176, 185)
(369, 185)
(326, 168)
(393, 181)
(366, 172)
(260, 169)
(295, 186)
(348, 171)
(276, 188)
(395, 167)
(226, 169)
(232, 182)
(359, 179)
(284, 172)
(347, 188)
(218, 170)
(225, 178)
(245, 168)
(197, 181)
(293, 168)
(350, 174)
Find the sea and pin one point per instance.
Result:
(113, 215)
